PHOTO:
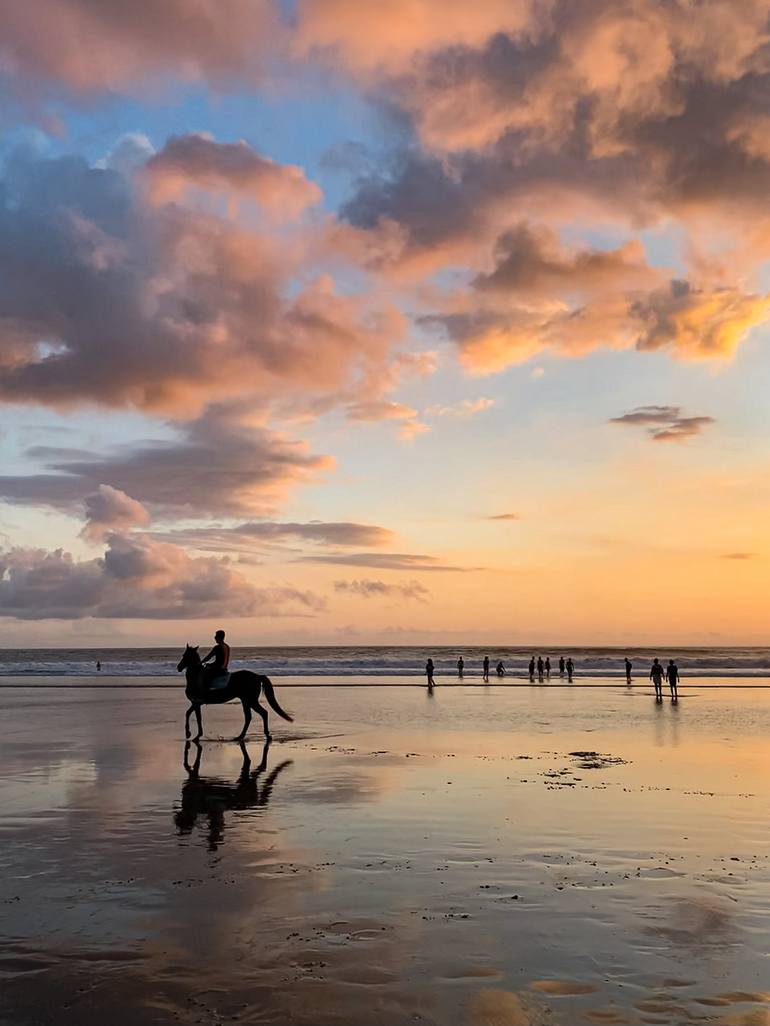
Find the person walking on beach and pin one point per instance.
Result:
(672, 676)
(548, 667)
(532, 668)
(540, 667)
(485, 676)
(500, 669)
(429, 673)
(570, 669)
(656, 676)
(460, 667)
(628, 670)
(561, 666)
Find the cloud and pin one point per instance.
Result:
(664, 423)
(233, 168)
(255, 533)
(386, 561)
(137, 578)
(91, 48)
(463, 410)
(412, 429)
(377, 410)
(698, 323)
(503, 516)
(593, 117)
(219, 465)
(380, 410)
(107, 299)
(367, 588)
(739, 555)
(109, 510)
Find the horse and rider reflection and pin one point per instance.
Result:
(213, 797)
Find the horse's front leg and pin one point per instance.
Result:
(246, 720)
(199, 735)
(187, 721)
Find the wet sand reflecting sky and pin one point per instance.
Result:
(484, 856)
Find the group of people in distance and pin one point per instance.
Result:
(543, 669)
(540, 666)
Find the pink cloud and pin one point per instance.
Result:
(231, 168)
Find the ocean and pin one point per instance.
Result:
(381, 662)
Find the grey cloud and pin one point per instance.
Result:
(664, 423)
(108, 510)
(218, 466)
(247, 535)
(367, 588)
(137, 578)
(387, 561)
(503, 516)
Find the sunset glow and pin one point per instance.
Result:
(410, 322)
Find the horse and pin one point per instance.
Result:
(244, 685)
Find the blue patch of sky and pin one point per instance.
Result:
(25, 427)
(301, 120)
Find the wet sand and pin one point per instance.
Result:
(488, 856)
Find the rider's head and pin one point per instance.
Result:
(219, 636)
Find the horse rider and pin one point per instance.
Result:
(220, 654)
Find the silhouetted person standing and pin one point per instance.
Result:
(429, 673)
(460, 667)
(628, 670)
(540, 667)
(672, 676)
(561, 666)
(532, 668)
(98, 666)
(548, 667)
(570, 669)
(500, 669)
(656, 676)
(486, 669)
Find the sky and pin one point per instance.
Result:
(412, 322)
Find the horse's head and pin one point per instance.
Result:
(190, 657)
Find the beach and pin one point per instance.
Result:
(481, 855)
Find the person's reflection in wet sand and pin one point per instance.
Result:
(212, 797)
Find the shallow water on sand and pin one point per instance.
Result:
(481, 856)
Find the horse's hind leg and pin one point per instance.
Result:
(263, 713)
(246, 719)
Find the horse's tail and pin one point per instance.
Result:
(272, 701)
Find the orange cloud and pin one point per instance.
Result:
(699, 323)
